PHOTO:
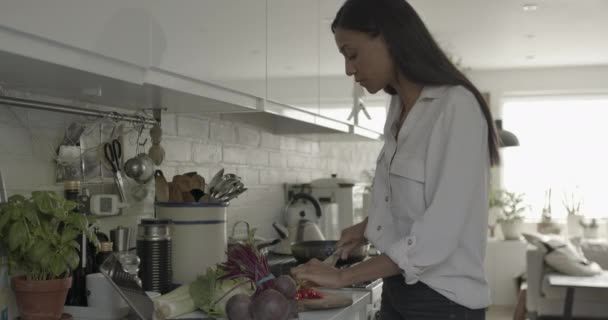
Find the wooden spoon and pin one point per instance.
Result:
(162, 188)
(182, 182)
(197, 182)
(175, 195)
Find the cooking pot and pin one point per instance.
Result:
(321, 250)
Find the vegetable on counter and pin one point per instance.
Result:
(206, 293)
(308, 293)
(273, 298)
(241, 288)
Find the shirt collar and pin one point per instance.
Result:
(431, 92)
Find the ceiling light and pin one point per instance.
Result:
(530, 7)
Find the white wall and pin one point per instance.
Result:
(566, 80)
(204, 143)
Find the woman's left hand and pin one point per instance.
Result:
(317, 272)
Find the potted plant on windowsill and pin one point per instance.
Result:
(39, 233)
(496, 205)
(590, 228)
(512, 216)
(546, 224)
(572, 203)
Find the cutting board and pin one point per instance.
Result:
(329, 301)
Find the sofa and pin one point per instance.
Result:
(545, 301)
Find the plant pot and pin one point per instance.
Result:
(590, 233)
(574, 226)
(40, 300)
(511, 229)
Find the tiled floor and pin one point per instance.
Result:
(500, 313)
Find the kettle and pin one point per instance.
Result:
(299, 227)
(308, 231)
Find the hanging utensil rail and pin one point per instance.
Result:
(48, 106)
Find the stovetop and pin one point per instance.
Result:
(281, 264)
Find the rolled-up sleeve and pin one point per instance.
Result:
(456, 173)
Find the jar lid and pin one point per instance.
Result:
(71, 185)
(155, 221)
(106, 246)
(333, 182)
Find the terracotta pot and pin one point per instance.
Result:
(40, 300)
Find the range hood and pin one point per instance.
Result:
(507, 138)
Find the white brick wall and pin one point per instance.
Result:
(199, 143)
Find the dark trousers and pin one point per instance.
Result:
(413, 302)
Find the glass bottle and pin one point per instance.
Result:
(104, 252)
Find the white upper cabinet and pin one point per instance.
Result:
(377, 107)
(220, 42)
(293, 53)
(336, 89)
(117, 29)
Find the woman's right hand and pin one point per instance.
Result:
(351, 237)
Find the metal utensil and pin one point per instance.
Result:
(225, 187)
(233, 195)
(113, 153)
(220, 188)
(140, 168)
(331, 260)
(215, 180)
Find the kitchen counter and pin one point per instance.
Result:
(357, 311)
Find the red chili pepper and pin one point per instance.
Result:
(308, 293)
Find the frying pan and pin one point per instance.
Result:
(306, 250)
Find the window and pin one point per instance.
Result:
(564, 147)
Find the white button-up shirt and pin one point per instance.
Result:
(429, 210)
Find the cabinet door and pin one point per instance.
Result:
(293, 53)
(222, 42)
(336, 89)
(117, 29)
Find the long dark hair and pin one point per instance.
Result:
(412, 48)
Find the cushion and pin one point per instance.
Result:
(562, 256)
(596, 250)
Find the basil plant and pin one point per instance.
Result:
(40, 235)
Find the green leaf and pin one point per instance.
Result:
(30, 212)
(45, 261)
(14, 212)
(16, 199)
(16, 236)
(72, 259)
(74, 244)
(4, 218)
(58, 265)
(69, 234)
(69, 206)
(38, 251)
(43, 201)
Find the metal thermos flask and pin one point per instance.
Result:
(154, 250)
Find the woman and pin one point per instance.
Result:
(430, 198)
